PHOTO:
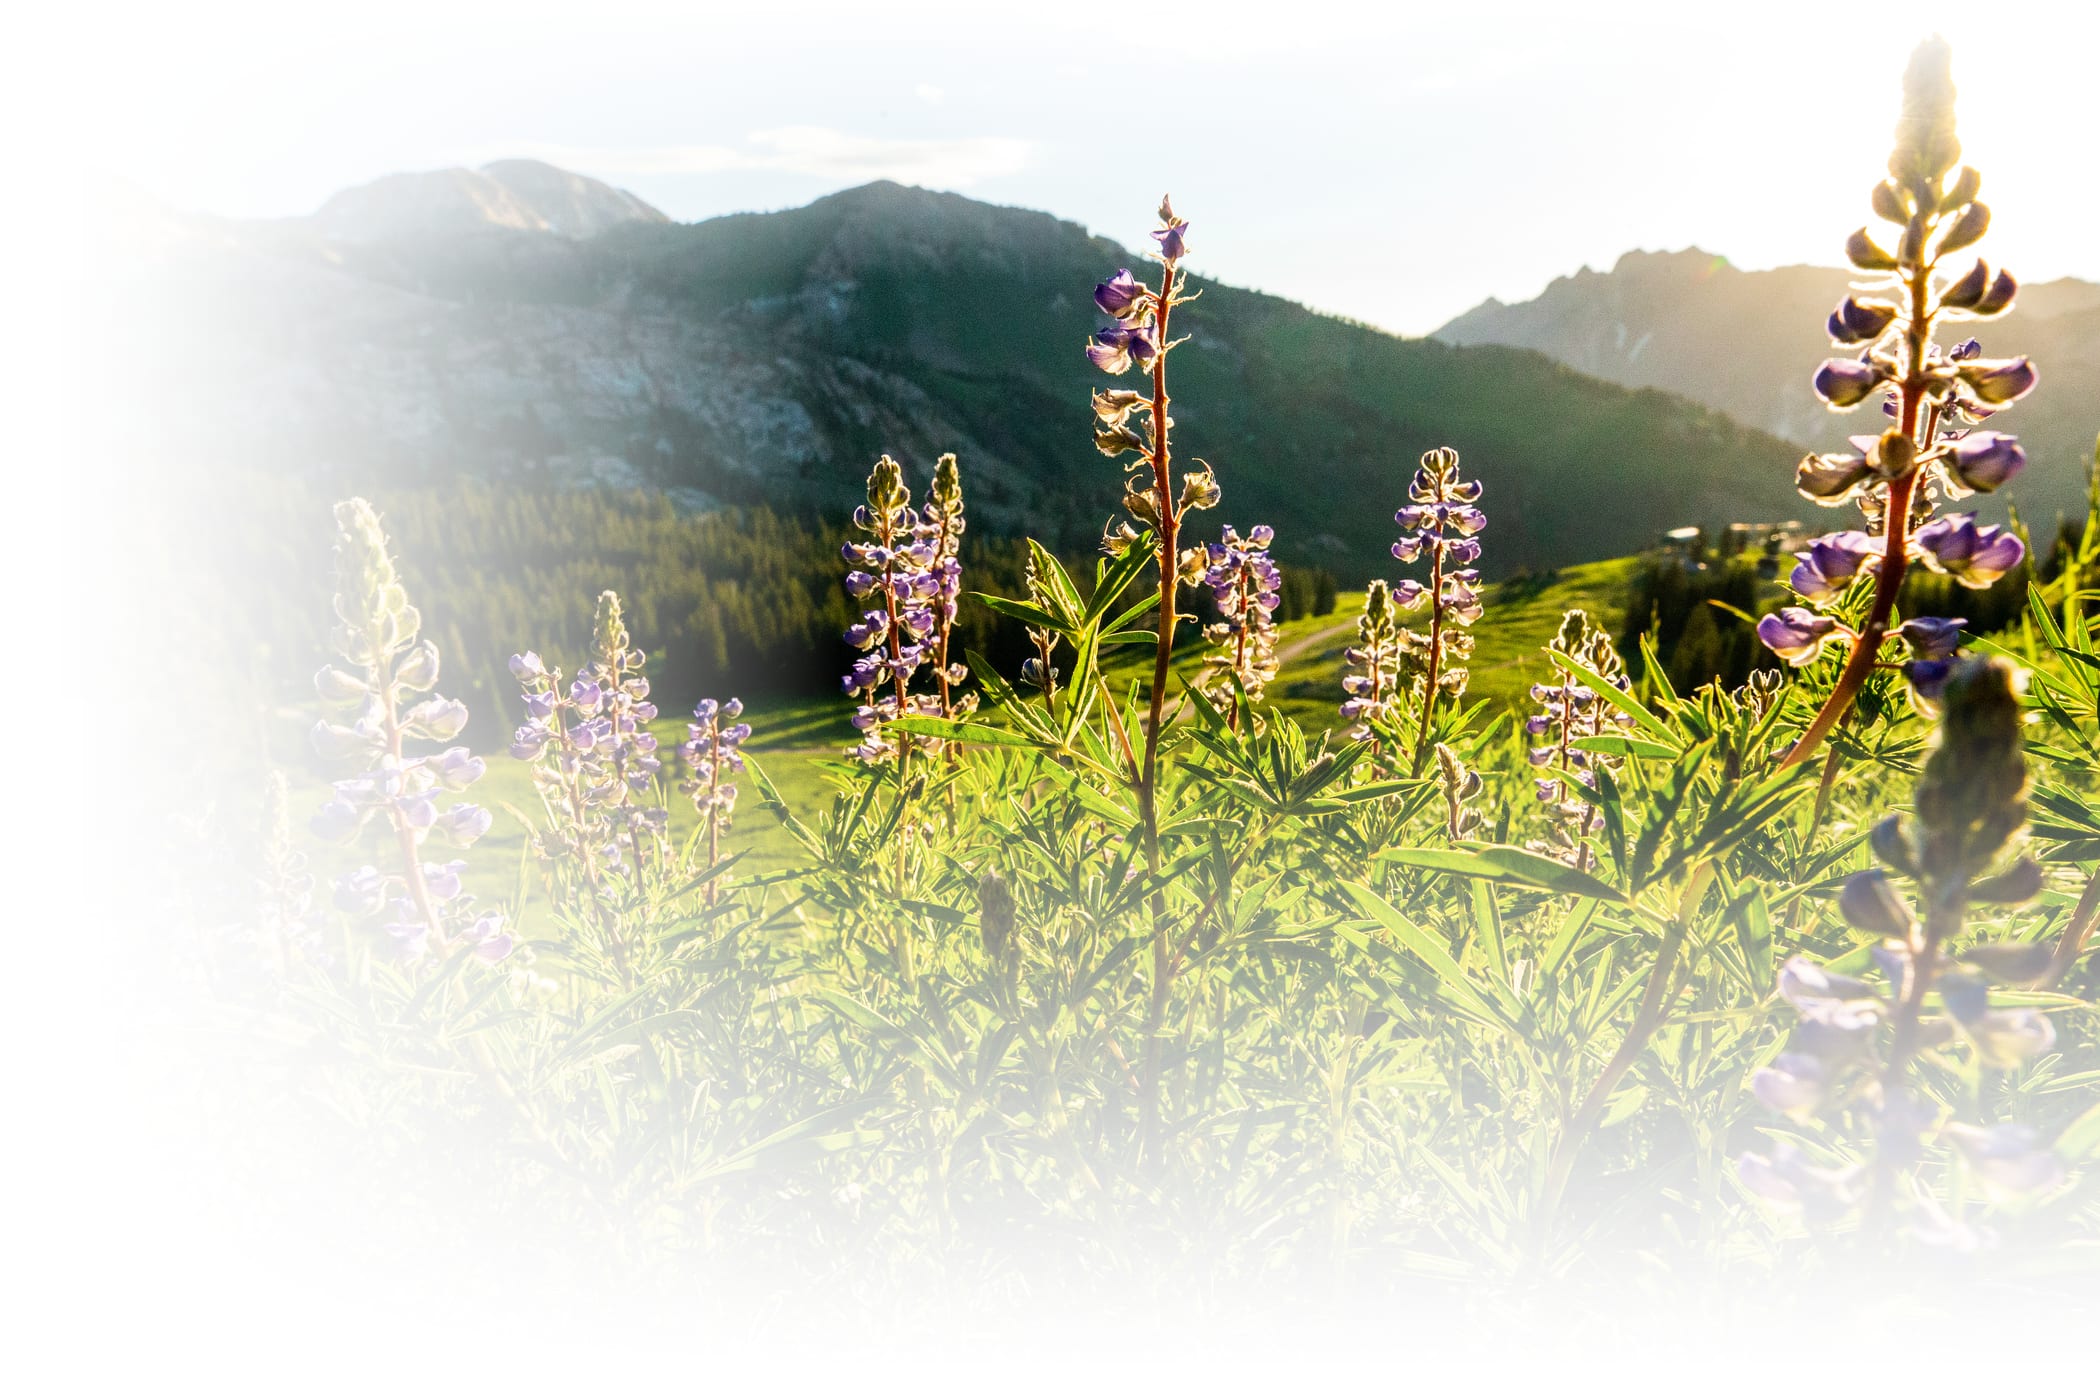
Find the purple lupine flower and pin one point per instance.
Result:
(1570, 711)
(1788, 1179)
(1438, 525)
(595, 764)
(902, 551)
(2008, 1157)
(488, 938)
(1995, 382)
(1847, 383)
(1968, 350)
(1121, 296)
(1831, 479)
(1855, 322)
(1247, 587)
(1831, 562)
(1975, 556)
(713, 751)
(387, 664)
(1828, 998)
(1932, 638)
(1796, 635)
(1793, 1084)
(1172, 235)
(1985, 461)
(1117, 348)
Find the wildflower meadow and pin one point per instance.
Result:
(1108, 959)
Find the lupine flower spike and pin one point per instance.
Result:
(713, 752)
(1133, 427)
(1570, 711)
(1856, 1043)
(1441, 526)
(1247, 587)
(895, 573)
(1935, 398)
(422, 902)
(592, 752)
(1376, 657)
(944, 516)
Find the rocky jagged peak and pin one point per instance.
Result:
(526, 195)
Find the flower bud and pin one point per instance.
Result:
(995, 916)
(1965, 292)
(1870, 904)
(2000, 297)
(1888, 202)
(1795, 635)
(1999, 381)
(338, 686)
(1846, 383)
(1867, 255)
(1967, 185)
(1857, 322)
(1932, 638)
(1971, 226)
(2015, 886)
(1830, 480)
(418, 670)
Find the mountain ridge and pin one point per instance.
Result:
(772, 356)
(1747, 343)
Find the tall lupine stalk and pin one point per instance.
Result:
(620, 731)
(1376, 657)
(1440, 526)
(1938, 394)
(1858, 1048)
(1040, 670)
(1569, 712)
(944, 514)
(712, 751)
(1246, 585)
(1133, 424)
(894, 572)
(387, 665)
(592, 751)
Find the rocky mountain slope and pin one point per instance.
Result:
(1747, 343)
(774, 356)
(527, 195)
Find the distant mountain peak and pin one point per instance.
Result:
(527, 195)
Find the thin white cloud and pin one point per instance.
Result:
(944, 163)
(927, 92)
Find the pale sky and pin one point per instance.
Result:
(1396, 164)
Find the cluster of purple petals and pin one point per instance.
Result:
(592, 743)
(1131, 339)
(713, 751)
(1568, 711)
(898, 576)
(404, 790)
(1831, 1059)
(1247, 587)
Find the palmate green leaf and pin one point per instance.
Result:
(1506, 865)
